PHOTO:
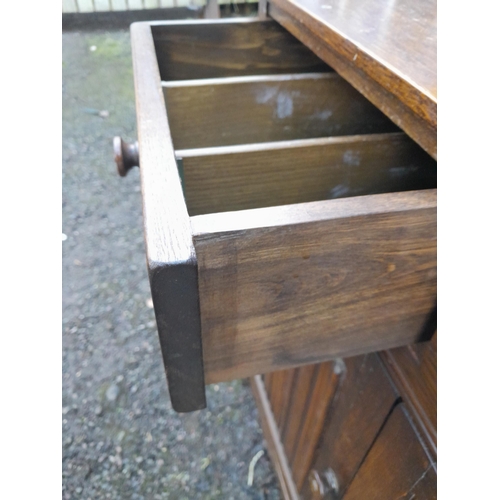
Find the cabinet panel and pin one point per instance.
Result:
(321, 394)
(414, 371)
(363, 401)
(396, 467)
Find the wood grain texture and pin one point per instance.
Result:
(284, 402)
(271, 435)
(263, 175)
(394, 43)
(414, 371)
(268, 383)
(321, 396)
(397, 465)
(363, 400)
(229, 47)
(280, 395)
(386, 51)
(276, 392)
(286, 286)
(251, 109)
(304, 380)
(171, 256)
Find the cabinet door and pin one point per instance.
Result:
(363, 400)
(414, 371)
(396, 467)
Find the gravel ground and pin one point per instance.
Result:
(121, 438)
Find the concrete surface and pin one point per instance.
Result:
(121, 439)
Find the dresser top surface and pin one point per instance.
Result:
(399, 35)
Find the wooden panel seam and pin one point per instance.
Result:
(271, 433)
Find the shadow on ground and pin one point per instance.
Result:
(121, 438)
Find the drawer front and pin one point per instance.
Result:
(271, 255)
(397, 465)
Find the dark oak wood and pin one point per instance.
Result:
(281, 394)
(414, 370)
(251, 109)
(353, 429)
(276, 394)
(321, 395)
(279, 287)
(397, 465)
(363, 400)
(229, 47)
(386, 50)
(268, 383)
(286, 286)
(271, 435)
(287, 389)
(170, 252)
(299, 401)
(269, 174)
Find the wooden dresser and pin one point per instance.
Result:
(364, 427)
(288, 173)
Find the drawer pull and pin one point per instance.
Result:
(324, 486)
(126, 155)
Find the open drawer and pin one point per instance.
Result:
(287, 220)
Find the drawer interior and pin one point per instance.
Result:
(188, 50)
(257, 120)
(306, 207)
(283, 173)
(267, 108)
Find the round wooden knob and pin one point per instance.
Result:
(126, 155)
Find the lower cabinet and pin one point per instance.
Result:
(396, 466)
(354, 428)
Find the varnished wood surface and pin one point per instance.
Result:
(245, 110)
(229, 47)
(386, 50)
(288, 389)
(272, 437)
(363, 400)
(297, 407)
(270, 174)
(314, 417)
(414, 370)
(300, 399)
(351, 421)
(302, 409)
(171, 256)
(397, 466)
(282, 392)
(286, 286)
(395, 42)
